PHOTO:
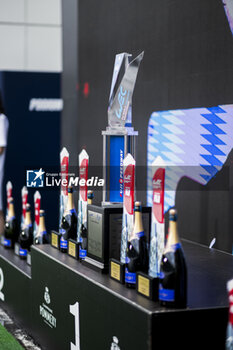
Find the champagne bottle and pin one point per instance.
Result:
(136, 254)
(26, 235)
(42, 235)
(83, 236)
(173, 271)
(11, 226)
(69, 222)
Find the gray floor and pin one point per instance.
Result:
(24, 339)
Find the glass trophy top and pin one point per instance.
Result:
(120, 101)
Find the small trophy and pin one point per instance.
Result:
(11, 230)
(56, 237)
(77, 248)
(117, 264)
(119, 136)
(64, 162)
(9, 190)
(117, 268)
(26, 236)
(147, 285)
(24, 194)
(37, 201)
(128, 206)
(82, 204)
(157, 223)
(9, 194)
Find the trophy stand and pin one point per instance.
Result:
(119, 139)
(117, 143)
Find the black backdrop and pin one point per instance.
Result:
(33, 137)
(187, 63)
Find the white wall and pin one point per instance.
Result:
(30, 35)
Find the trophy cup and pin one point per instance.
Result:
(9, 191)
(75, 246)
(56, 237)
(24, 195)
(82, 211)
(104, 223)
(37, 201)
(117, 264)
(117, 268)
(147, 285)
(119, 136)
(128, 207)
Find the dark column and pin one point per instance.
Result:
(69, 120)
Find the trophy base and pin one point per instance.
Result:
(23, 253)
(29, 261)
(117, 271)
(16, 249)
(8, 243)
(55, 239)
(73, 249)
(2, 240)
(95, 265)
(147, 286)
(104, 224)
(111, 203)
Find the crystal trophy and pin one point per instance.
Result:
(119, 138)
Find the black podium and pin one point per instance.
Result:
(72, 307)
(15, 287)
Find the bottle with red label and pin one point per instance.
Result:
(136, 254)
(229, 338)
(173, 271)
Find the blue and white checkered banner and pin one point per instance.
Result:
(192, 142)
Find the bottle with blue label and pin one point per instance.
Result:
(42, 235)
(26, 234)
(173, 271)
(68, 227)
(83, 235)
(11, 231)
(137, 253)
